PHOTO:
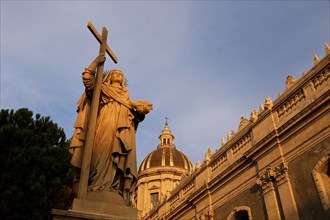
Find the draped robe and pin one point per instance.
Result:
(113, 163)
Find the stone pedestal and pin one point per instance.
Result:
(73, 215)
(105, 205)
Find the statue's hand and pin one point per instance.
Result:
(100, 59)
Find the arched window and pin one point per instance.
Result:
(321, 173)
(240, 213)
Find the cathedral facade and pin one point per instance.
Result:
(276, 166)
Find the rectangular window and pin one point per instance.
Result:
(154, 199)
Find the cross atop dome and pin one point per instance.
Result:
(166, 122)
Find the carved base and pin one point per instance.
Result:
(106, 197)
(112, 209)
(98, 205)
(74, 215)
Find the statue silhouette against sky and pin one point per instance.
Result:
(103, 145)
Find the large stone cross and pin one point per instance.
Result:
(99, 39)
(86, 162)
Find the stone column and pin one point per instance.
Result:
(285, 190)
(265, 181)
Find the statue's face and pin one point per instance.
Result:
(116, 76)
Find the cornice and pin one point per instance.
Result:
(160, 171)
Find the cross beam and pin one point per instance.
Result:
(99, 39)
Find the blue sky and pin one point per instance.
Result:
(203, 64)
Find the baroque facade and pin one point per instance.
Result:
(276, 166)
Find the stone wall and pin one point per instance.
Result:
(307, 197)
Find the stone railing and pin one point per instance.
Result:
(231, 154)
(320, 79)
(239, 147)
(188, 188)
(291, 103)
(174, 199)
(219, 162)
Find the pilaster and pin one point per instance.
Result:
(278, 175)
(265, 181)
(289, 206)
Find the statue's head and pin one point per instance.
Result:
(115, 74)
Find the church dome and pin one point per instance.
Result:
(166, 156)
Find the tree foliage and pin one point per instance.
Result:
(35, 167)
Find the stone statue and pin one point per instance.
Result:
(113, 162)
